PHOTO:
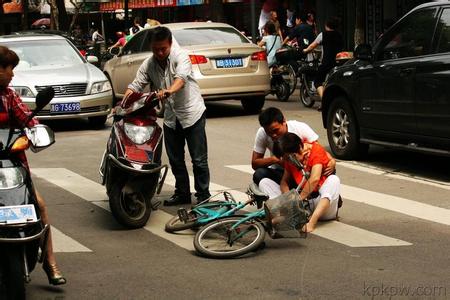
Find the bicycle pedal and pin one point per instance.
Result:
(183, 214)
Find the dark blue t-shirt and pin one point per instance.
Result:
(301, 32)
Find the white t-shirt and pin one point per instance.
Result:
(263, 141)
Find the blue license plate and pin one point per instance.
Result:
(229, 63)
(65, 107)
(17, 214)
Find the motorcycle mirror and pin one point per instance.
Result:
(44, 97)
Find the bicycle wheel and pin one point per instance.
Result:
(175, 224)
(290, 76)
(218, 240)
(306, 94)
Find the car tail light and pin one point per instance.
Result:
(261, 55)
(83, 52)
(198, 59)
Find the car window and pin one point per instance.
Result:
(411, 37)
(134, 45)
(208, 35)
(44, 53)
(444, 36)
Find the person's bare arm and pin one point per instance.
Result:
(284, 183)
(312, 182)
(177, 85)
(261, 43)
(259, 161)
(331, 166)
(311, 47)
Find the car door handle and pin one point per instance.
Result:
(407, 71)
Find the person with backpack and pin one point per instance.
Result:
(272, 41)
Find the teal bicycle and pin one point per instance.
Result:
(208, 211)
(282, 217)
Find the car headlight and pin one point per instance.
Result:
(100, 87)
(10, 178)
(138, 134)
(23, 91)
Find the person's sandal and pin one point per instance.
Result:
(53, 274)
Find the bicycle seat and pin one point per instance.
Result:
(257, 195)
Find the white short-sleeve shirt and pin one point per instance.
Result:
(263, 141)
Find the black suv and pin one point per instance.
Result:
(396, 94)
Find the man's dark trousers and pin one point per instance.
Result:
(175, 140)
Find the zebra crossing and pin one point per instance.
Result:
(334, 231)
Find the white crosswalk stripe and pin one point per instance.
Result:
(95, 193)
(64, 243)
(393, 203)
(397, 175)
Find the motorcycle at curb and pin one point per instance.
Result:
(307, 72)
(22, 231)
(278, 84)
(131, 167)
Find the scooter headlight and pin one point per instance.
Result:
(139, 134)
(10, 178)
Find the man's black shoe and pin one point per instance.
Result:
(177, 200)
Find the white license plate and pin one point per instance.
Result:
(229, 63)
(65, 107)
(17, 214)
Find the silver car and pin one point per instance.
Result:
(81, 89)
(225, 63)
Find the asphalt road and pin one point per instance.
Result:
(393, 237)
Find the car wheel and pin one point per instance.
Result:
(343, 131)
(253, 105)
(97, 122)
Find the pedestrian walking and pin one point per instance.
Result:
(169, 70)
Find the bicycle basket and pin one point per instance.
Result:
(285, 217)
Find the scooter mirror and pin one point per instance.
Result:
(41, 137)
(44, 97)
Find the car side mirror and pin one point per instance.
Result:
(115, 51)
(363, 52)
(92, 59)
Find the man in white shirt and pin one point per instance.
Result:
(169, 71)
(273, 127)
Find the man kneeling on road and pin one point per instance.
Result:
(273, 127)
(320, 190)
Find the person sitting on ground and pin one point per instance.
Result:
(332, 43)
(321, 191)
(271, 41)
(10, 101)
(273, 127)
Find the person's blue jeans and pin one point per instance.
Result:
(175, 141)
